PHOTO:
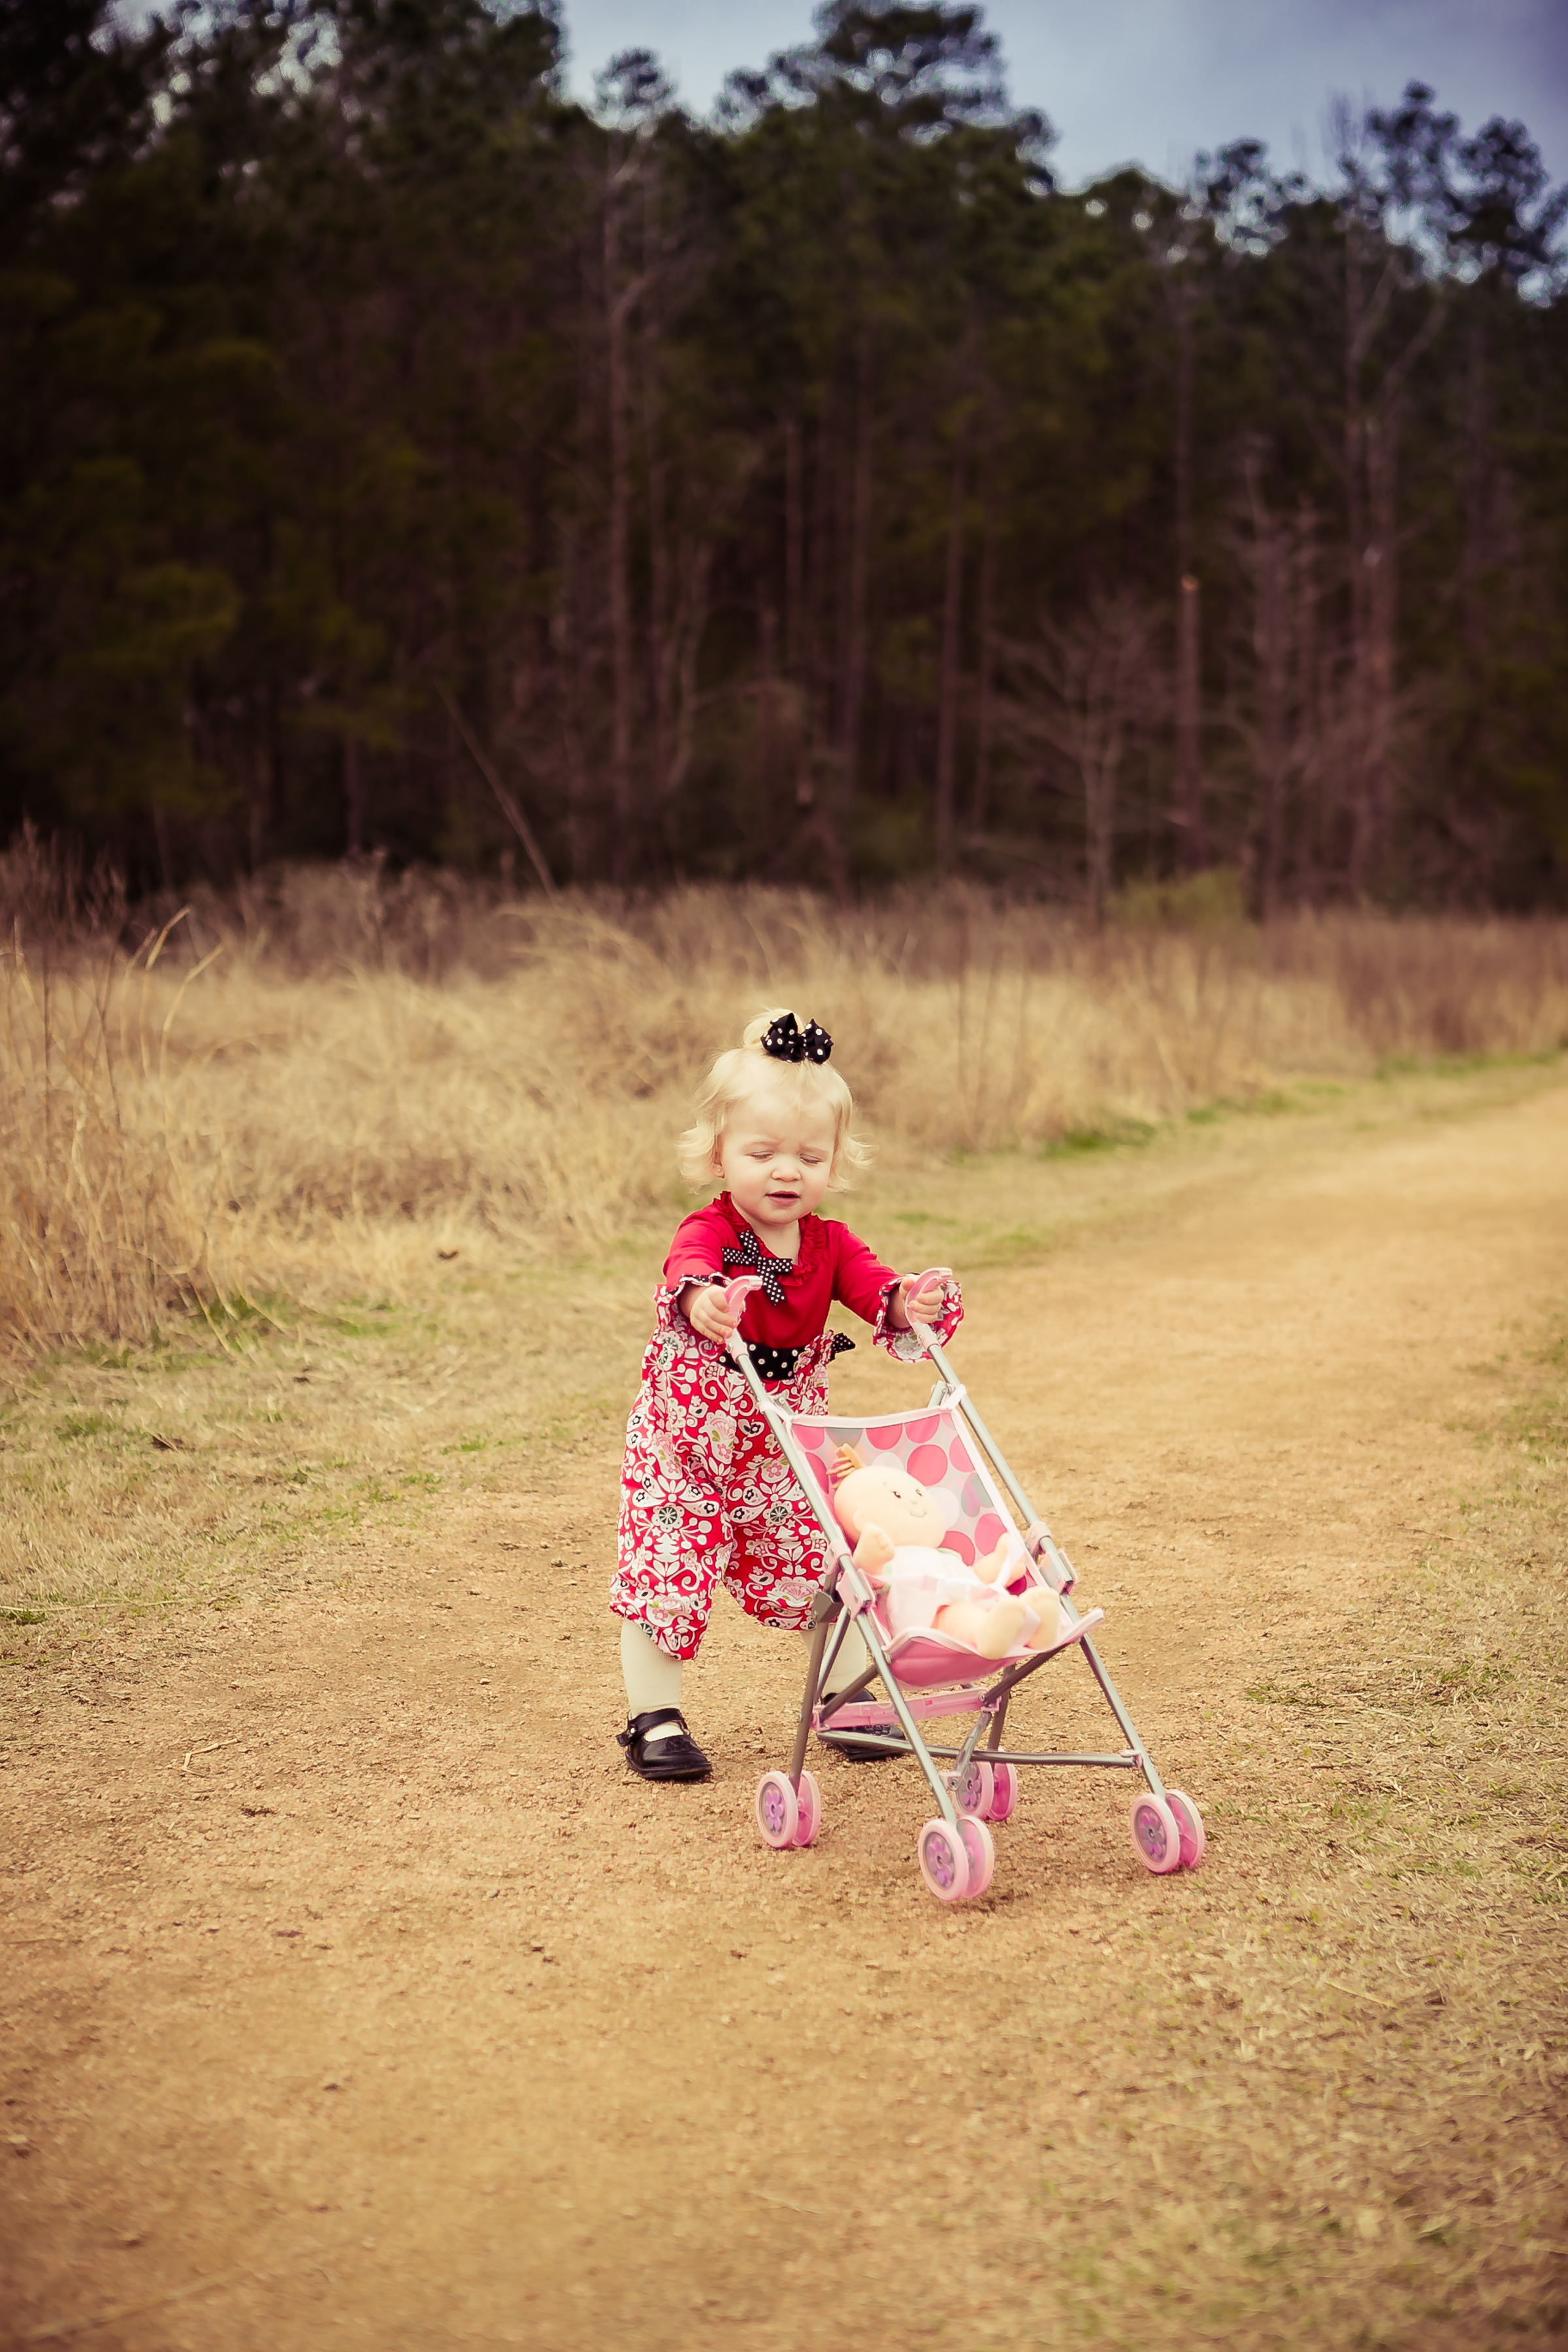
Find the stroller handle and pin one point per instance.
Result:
(735, 1295)
(913, 1284)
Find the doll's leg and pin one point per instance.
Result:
(992, 1632)
(1048, 1610)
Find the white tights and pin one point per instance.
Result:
(653, 1678)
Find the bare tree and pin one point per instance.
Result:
(1269, 563)
(632, 93)
(947, 676)
(1082, 691)
(1370, 447)
(1178, 278)
(857, 543)
(985, 695)
(1311, 675)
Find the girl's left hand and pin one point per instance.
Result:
(920, 1295)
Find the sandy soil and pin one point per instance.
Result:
(354, 1994)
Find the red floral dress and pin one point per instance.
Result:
(706, 1496)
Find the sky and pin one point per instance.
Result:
(1152, 81)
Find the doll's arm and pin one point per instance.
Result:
(993, 1568)
(873, 1552)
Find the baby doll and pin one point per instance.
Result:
(898, 1532)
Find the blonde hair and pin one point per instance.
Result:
(743, 1072)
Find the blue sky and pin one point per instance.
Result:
(1150, 81)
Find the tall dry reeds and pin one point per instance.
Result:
(288, 1090)
(106, 1181)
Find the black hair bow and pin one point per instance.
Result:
(786, 1041)
(752, 1259)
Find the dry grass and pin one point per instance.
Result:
(301, 1092)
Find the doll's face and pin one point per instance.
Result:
(889, 1498)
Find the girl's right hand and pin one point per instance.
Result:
(702, 1304)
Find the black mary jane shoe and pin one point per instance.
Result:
(678, 1757)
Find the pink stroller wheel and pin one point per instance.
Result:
(1156, 1840)
(945, 1862)
(778, 1813)
(1003, 1792)
(973, 1790)
(982, 1850)
(1190, 1824)
(808, 1809)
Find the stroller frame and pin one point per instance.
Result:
(1170, 1833)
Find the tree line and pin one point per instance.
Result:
(399, 457)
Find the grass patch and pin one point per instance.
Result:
(1285, 1695)
(1113, 1135)
(1269, 1102)
(77, 1426)
(1464, 1065)
(1469, 1680)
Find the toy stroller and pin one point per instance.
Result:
(928, 1673)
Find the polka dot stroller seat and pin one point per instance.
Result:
(927, 1675)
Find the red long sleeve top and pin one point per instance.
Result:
(830, 1263)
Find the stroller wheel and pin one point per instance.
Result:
(778, 1813)
(1003, 1792)
(982, 1850)
(973, 1790)
(808, 1809)
(1190, 1824)
(1156, 1840)
(945, 1862)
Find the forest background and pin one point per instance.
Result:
(397, 456)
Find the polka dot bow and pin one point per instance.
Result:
(754, 1259)
(786, 1041)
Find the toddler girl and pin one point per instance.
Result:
(706, 1496)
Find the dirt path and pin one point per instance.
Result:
(354, 1996)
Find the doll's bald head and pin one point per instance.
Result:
(884, 1495)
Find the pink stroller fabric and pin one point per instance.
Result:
(932, 1446)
